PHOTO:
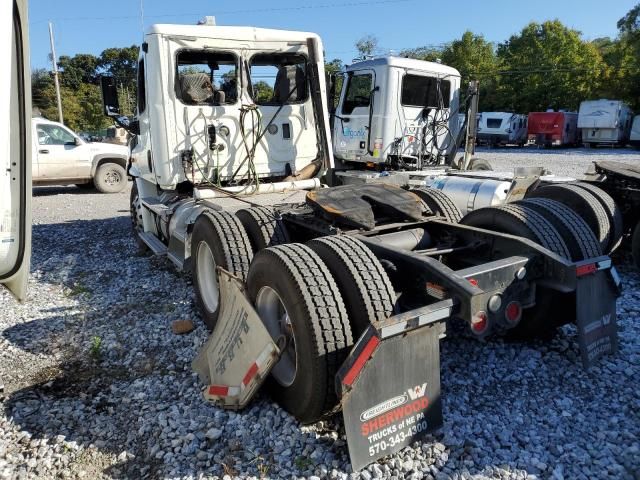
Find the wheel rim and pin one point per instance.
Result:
(112, 178)
(207, 277)
(275, 317)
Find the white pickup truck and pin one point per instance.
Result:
(60, 157)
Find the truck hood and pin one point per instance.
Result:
(99, 148)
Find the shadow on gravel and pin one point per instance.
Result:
(71, 189)
(599, 151)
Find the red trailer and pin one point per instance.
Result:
(553, 128)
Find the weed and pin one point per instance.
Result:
(96, 347)
(303, 463)
(76, 290)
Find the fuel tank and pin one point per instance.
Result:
(471, 193)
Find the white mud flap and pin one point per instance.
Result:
(597, 288)
(390, 383)
(239, 353)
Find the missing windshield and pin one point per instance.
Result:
(278, 79)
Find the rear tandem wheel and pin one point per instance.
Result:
(439, 203)
(297, 298)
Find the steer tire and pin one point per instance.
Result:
(263, 227)
(580, 240)
(228, 247)
(635, 245)
(318, 325)
(523, 221)
(363, 283)
(110, 178)
(585, 204)
(613, 212)
(439, 203)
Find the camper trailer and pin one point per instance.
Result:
(634, 137)
(553, 129)
(502, 128)
(604, 122)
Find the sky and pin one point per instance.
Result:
(82, 26)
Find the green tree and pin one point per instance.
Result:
(428, 54)
(624, 59)
(549, 65)
(367, 46)
(475, 58)
(79, 69)
(333, 68)
(122, 63)
(262, 91)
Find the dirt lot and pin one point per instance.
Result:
(97, 386)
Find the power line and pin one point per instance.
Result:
(233, 12)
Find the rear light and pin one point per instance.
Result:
(513, 312)
(587, 269)
(479, 322)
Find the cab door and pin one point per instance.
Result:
(60, 153)
(352, 121)
(15, 144)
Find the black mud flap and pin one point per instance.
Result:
(597, 288)
(390, 383)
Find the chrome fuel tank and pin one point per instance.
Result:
(471, 193)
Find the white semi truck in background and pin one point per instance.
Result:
(337, 290)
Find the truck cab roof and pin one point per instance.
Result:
(406, 64)
(229, 32)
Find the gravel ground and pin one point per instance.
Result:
(97, 386)
(572, 162)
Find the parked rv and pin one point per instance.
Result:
(553, 128)
(502, 128)
(634, 137)
(604, 122)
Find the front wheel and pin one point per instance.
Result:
(110, 178)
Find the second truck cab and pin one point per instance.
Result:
(397, 111)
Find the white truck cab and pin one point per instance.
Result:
(397, 111)
(61, 157)
(210, 96)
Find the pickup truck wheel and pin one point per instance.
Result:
(439, 203)
(299, 301)
(110, 178)
(263, 227)
(523, 221)
(365, 286)
(218, 239)
(613, 212)
(580, 240)
(584, 204)
(635, 245)
(135, 207)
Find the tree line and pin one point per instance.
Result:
(546, 65)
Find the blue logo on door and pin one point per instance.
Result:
(348, 132)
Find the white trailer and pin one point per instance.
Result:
(604, 122)
(397, 111)
(502, 128)
(634, 137)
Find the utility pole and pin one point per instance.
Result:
(54, 62)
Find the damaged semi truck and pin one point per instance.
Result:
(336, 294)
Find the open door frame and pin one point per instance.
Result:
(15, 144)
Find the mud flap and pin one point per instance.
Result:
(598, 287)
(239, 353)
(390, 383)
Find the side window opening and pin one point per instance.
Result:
(494, 122)
(426, 92)
(358, 92)
(207, 78)
(54, 135)
(142, 91)
(278, 79)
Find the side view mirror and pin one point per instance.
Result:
(77, 141)
(111, 105)
(110, 96)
